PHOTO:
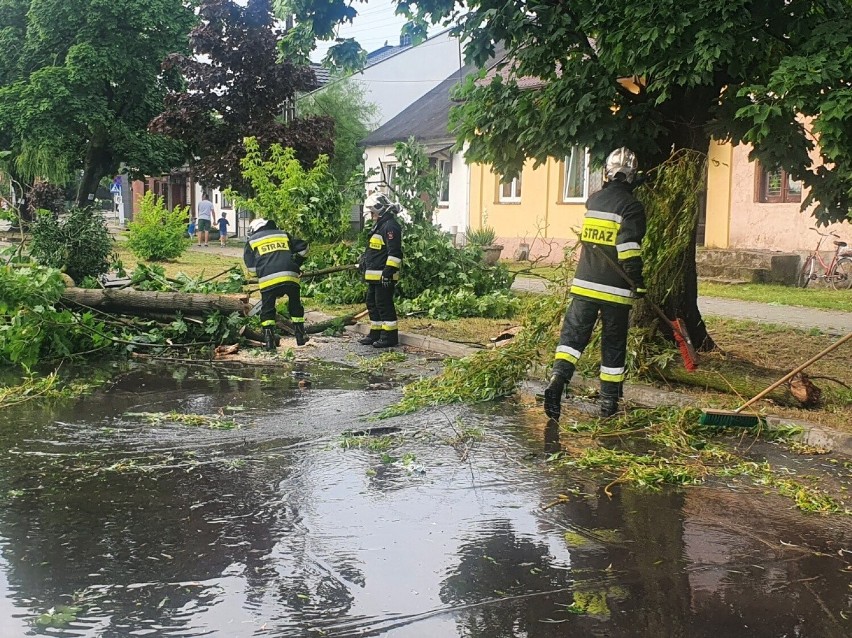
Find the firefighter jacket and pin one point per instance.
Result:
(274, 257)
(615, 226)
(384, 250)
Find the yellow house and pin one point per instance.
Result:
(747, 206)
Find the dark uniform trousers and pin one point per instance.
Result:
(380, 306)
(580, 319)
(269, 296)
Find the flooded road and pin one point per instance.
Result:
(271, 518)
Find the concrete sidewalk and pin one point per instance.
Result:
(833, 322)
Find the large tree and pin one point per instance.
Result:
(79, 82)
(237, 86)
(773, 73)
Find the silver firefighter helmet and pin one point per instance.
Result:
(622, 161)
(380, 204)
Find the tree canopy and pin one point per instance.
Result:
(79, 82)
(657, 76)
(236, 86)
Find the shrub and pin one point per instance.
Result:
(45, 196)
(80, 244)
(158, 234)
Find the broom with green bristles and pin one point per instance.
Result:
(736, 418)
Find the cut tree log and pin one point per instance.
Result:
(129, 300)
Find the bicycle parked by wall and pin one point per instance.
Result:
(837, 272)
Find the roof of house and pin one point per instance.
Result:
(323, 74)
(426, 119)
(383, 53)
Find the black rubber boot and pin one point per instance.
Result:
(608, 405)
(371, 338)
(390, 338)
(301, 337)
(553, 397)
(270, 342)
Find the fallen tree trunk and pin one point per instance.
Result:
(136, 301)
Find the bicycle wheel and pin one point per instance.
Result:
(805, 273)
(841, 277)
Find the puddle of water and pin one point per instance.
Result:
(276, 529)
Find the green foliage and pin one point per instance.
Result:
(153, 277)
(157, 234)
(32, 328)
(416, 182)
(488, 374)
(431, 262)
(484, 236)
(339, 288)
(462, 303)
(308, 203)
(354, 117)
(78, 244)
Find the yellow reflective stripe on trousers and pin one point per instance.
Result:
(615, 375)
(566, 353)
(268, 322)
(390, 325)
(297, 319)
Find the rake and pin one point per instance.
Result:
(681, 336)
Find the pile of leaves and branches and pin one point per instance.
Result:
(153, 277)
(667, 446)
(37, 328)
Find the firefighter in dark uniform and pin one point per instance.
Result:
(380, 266)
(276, 259)
(614, 225)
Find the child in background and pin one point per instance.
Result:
(223, 230)
(190, 229)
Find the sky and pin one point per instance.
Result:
(374, 25)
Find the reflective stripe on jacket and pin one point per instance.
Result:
(384, 249)
(274, 257)
(615, 223)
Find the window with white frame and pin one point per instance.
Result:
(510, 191)
(444, 167)
(388, 175)
(575, 175)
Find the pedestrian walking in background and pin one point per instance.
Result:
(206, 210)
(613, 227)
(276, 258)
(223, 229)
(380, 265)
(190, 229)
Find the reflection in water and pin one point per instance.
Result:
(274, 530)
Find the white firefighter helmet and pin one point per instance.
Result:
(379, 203)
(256, 224)
(622, 161)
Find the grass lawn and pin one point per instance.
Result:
(192, 263)
(825, 298)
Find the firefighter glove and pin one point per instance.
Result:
(387, 277)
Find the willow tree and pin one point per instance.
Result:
(79, 82)
(660, 76)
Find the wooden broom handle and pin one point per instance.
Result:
(793, 373)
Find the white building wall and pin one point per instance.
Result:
(396, 82)
(456, 213)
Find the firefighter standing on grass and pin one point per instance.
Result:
(276, 259)
(614, 225)
(380, 265)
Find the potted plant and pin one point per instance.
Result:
(484, 238)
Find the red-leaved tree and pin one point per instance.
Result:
(237, 86)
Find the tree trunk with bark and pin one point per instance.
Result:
(146, 301)
(98, 163)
